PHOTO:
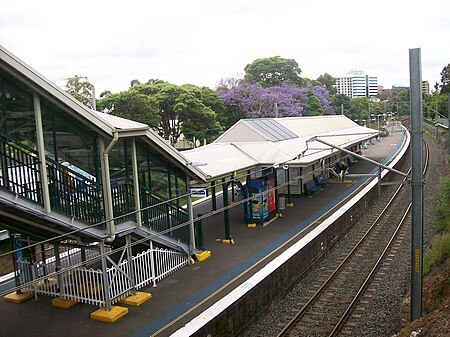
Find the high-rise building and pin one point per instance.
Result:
(357, 84)
(425, 87)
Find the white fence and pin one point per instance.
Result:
(86, 284)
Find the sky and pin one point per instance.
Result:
(203, 41)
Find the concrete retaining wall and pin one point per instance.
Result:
(239, 314)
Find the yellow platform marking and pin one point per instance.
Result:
(109, 316)
(251, 225)
(203, 255)
(228, 242)
(17, 298)
(136, 300)
(290, 204)
(343, 182)
(62, 303)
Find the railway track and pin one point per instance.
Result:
(338, 298)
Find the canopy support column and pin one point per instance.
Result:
(41, 152)
(190, 211)
(288, 181)
(213, 196)
(226, 213)
(137, 199)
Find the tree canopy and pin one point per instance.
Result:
(273, 71)
(170, 109)
(81, 89)
(445, 80)
(328, 82)
(132, 105)
(249, 100)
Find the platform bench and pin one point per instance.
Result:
(321, 180)
(352, 161)
(337, 169)
(310, 188)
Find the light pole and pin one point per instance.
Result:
(415, 73)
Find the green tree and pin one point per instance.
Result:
(134, 83)
(313, 107)
(273, 71)
(81, 89)
(183, 109)
(445, 80)
(211, 99)
(435, 101)
(132, 105)
(328, 82)
(400, 102)
(341, 103)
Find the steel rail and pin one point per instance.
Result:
(353, 303)
(287, 328)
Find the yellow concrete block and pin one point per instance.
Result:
(290, 204)
(109, 316)
(61, 303)
(251, 225)
(228, 242)
(17, 298)
(203, 255)
(136, 300)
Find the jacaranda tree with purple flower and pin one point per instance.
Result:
(250, 100)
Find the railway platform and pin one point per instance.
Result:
(179, 298)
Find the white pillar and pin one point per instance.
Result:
(190, 211)
(137, 199)
(41, 153)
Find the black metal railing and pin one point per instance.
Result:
(122, 191)
(164, 216)
(20, 170)
(80, 196)
(74, 194)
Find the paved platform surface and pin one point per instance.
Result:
(180, 297)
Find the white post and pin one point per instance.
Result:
(190, 211)
(137, 199)
(152, 263)
(41, 153)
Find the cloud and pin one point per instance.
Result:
(201, 42)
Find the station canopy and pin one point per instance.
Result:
(252, 143)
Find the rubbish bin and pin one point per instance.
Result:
(281, 202)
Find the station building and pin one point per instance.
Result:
(279, 157)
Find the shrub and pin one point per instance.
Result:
(442, 224)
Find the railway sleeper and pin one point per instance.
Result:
(346, 332)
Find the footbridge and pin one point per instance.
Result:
(83, 194)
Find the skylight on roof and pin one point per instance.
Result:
(271, 129)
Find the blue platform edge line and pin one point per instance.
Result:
(199, 296)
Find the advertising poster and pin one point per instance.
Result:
(257, 200)
(271, 192)
(260, 200)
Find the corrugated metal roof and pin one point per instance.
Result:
(271, 129)
(228, 155)
(315, 125)
(98, 121)
(119, 122)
